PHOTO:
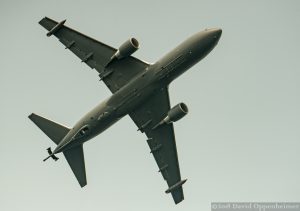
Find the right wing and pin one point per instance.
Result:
(161, 140)
(96, 55)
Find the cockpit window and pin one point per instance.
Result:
(82, 132)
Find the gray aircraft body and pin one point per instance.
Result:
(139, 89)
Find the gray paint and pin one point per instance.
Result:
(243, 122)
(157, 76)
(132, 97)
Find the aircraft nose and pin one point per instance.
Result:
(215, 33)
(218, 33)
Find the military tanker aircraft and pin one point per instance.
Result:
(139, 89)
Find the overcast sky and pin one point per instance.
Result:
(240, 141)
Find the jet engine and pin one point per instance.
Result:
(125, 50)
(175, 114)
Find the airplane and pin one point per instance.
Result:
(139, 89)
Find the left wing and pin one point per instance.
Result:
(161, 140)
(96, 55)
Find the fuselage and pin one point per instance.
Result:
(155, 77)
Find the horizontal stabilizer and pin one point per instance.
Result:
(75, 158)
(53, 130)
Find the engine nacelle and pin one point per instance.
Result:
(127, 48)
(176, 113)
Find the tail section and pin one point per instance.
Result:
(53, 130)
(56, 132)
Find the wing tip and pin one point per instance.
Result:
(180, 200)
(83, 184)
(31, 115)
(41, 21)
(178, 196)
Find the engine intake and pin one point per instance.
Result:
(175, 114)
(127, 48)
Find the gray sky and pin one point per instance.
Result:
(240, 141)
